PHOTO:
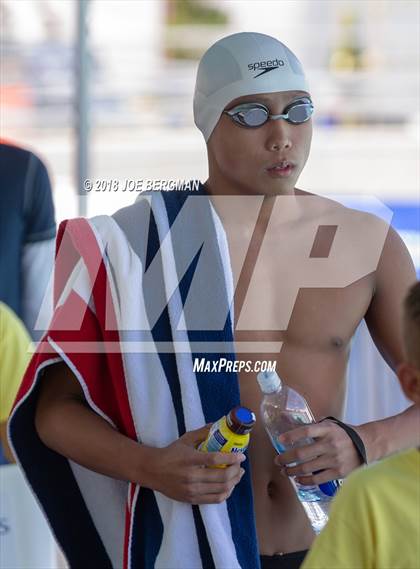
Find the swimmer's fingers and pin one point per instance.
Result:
(308, 468)
(216, 475)
(203, 488)
(302, 454)
(212, 498)
(319, 478)
(194, 438)
(212, 459)
(199, 492)
(312, 430)
(329, 440)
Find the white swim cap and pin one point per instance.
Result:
(238, 65)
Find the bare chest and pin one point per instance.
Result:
(311, 318)
(293, 289)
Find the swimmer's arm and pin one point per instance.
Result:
(66, 424)
(385, 437)
(394, 276)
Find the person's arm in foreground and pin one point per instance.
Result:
(333, 451)
(346, 542)
(15, 351)
(66, 424)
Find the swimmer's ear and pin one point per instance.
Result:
(409, 377)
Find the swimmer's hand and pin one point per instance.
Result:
(178, 472)
(331, 456)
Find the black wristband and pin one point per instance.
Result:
(355, 438)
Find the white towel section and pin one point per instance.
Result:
(148, 388)
(149, 393)
(215, 516)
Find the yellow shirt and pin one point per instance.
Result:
(14, 358)
(375, 519)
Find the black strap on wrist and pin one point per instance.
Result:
(355, 438)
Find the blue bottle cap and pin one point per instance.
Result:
(240, 420)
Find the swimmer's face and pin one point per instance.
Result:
(244, 159)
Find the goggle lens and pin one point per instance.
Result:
(255, 115)
(300, 113)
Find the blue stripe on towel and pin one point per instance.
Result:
(219, 392)
(66, 510)
(203, 544)
(173, 207)
(162, 332)
(148, 525)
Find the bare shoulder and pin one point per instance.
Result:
(380, 238)
(362, 238)
(324, 207)
(359, 232)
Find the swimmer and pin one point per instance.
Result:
(306, 271)
(254, 108)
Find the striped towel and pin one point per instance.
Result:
(126, 325)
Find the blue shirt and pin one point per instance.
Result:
(26, 216)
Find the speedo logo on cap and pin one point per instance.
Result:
(266, 66)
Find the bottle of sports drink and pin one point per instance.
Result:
(284, 409)
(230, 433)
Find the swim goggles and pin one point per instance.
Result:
(253, 115)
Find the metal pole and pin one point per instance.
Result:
(82, 106)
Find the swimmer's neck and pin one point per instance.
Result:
(236, 212)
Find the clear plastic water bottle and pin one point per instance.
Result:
(284, 409)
